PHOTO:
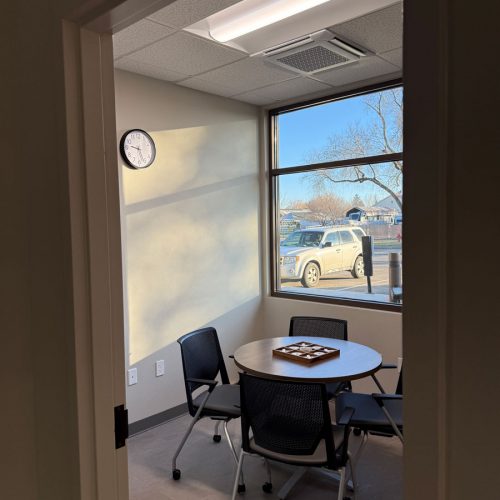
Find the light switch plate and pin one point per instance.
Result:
(132, 376)
(160, 367)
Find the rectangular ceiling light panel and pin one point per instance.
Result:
(250, 15)
(253, 26)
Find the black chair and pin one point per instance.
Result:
(202, 362)
(378, 414)
(290, 422)
(311, 326)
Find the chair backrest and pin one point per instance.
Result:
(286, 417)
(201, 358)
(311, 326)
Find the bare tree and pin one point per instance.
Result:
(326, 208)
(382, 135)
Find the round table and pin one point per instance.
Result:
(355, 360)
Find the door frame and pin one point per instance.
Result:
(94, 204)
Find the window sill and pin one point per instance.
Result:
(350, 299)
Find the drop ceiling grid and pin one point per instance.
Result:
(183, 13)
(288, 89)
(156, 47)
(142, 68)
(187, 54)
(379, 31)
(139, 36)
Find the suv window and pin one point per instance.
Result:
(359, 233)
(303, 239)
(346, 236)
(333, 238)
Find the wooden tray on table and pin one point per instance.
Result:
(306, 352)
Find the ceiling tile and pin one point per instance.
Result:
(247, 74)
(209, 87)
(379, 31)
(142, 68)
(185, 12)
(364, 69)
(284, 90)
(394, 57)
(138, 36)
(186, 54)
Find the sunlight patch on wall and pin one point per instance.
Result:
(192, 233)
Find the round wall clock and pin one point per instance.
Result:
(137, 148)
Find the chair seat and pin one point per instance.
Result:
(224, 400)
(318, 458)
(368, 414)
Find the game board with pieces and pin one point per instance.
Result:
(306, 352)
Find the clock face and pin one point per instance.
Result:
(137, 149)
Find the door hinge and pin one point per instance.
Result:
(121, 426)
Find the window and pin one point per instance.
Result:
(346, 237)
(333, 238)
(337, 164)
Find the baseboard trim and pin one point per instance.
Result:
(157, 419)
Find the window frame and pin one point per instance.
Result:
(274, 173)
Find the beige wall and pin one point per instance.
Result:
(190, 229)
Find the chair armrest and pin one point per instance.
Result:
(346, 416)
(211, 383)
(380, 398)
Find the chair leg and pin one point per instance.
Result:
(175, 471)
(341, 484)
(353, 477)
(268, 486)
(217, 436)
(238, 474)
(364, 440)
(241, 486)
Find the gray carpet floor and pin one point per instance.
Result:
(208, 468)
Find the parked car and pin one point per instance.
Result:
(308, 254)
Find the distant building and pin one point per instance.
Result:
(390, 202)
(372, 214)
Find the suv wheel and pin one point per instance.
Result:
(310, 278)
(358, 271)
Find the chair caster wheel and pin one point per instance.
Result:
(267, 487)
(217, 438)
(241, 488)
(176, 474)
(357, 432)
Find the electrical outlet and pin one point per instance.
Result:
(132, 376)
(160, 368)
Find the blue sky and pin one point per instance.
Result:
(307, 130)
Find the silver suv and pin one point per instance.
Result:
(308, 254)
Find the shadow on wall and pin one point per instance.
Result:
(155, 394)
(191, 233)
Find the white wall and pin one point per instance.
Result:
(190, 226)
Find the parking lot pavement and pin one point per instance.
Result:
(343, 281)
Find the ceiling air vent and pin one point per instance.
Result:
(317, 52)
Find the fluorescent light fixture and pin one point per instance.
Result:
(251, 15)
